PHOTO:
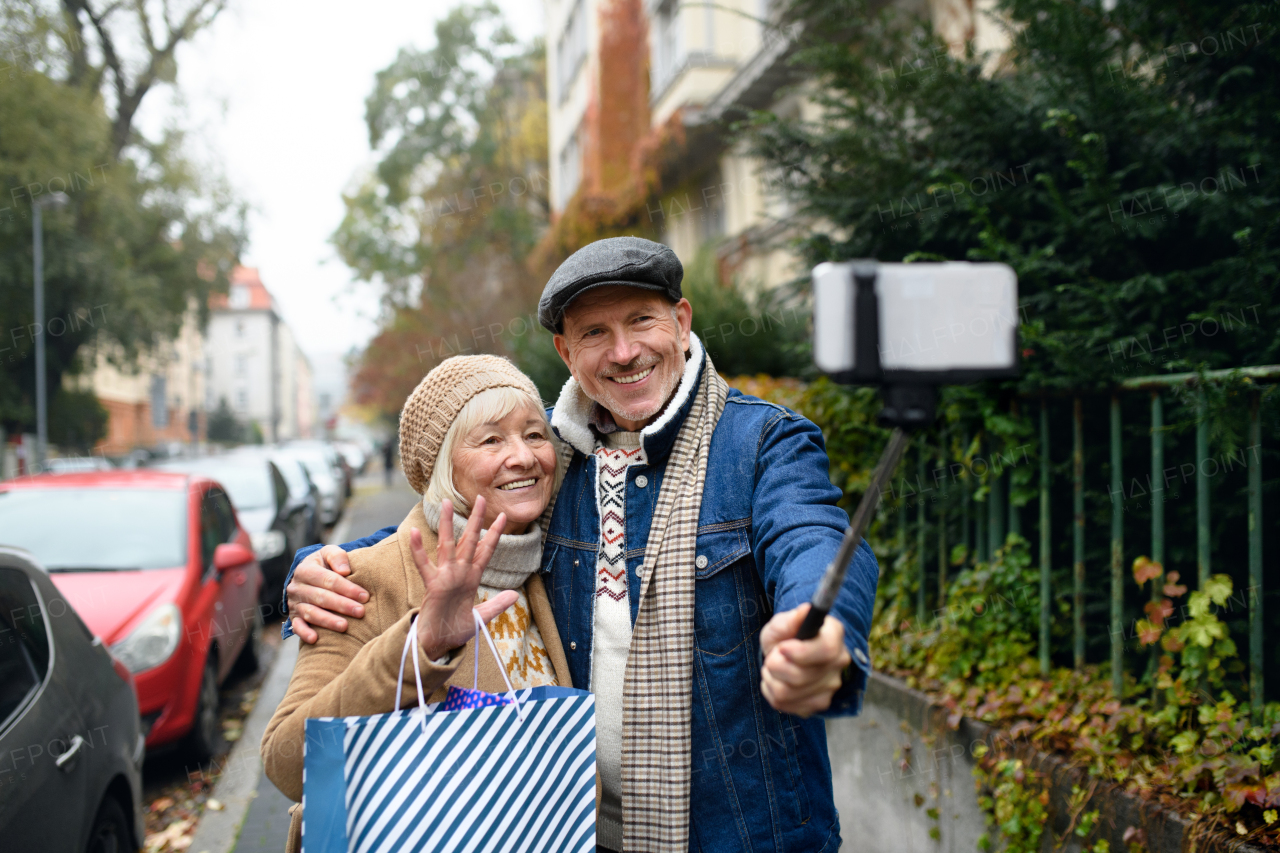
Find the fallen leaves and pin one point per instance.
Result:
(176, 836)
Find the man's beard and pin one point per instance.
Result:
(642, 413)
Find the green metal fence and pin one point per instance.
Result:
(1001, 515)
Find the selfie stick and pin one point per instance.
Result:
(906, 406)
(833, 578)
(847, 349)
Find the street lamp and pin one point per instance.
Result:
(42, 395)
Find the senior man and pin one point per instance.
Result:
(692, 526)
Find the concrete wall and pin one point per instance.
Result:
(898, 760)
(889, 768)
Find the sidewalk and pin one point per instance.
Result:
(256, 815)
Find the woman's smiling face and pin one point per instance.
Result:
(511, 463)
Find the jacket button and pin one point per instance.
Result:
(642, 481)
(639, 571)
(573, 647)
(861, 656)
(575, 562)
(701, 562)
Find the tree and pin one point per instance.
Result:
(455, 205)
(92, 40)
(223, 425)
(1117, 159)
(143, 236)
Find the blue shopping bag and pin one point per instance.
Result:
(513, 773)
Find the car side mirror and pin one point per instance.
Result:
(230, 556)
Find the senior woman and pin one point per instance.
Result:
(474, 440)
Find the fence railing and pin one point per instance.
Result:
(1002, 515)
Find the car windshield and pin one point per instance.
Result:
(316, 464)
(294, 476)
(97, 529)
(247, 483)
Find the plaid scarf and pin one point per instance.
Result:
(657, 697)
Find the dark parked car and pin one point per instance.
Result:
(356, 458)
(325, 472)
(158, 567)
(304, 489)
(71, 743)
(301, 487)
(277, 522)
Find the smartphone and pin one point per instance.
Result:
(933, 323)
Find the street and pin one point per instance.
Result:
(373, 506)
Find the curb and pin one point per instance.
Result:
(237, 786)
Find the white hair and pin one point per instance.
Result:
(489, 406)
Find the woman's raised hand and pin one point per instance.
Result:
(451, 581)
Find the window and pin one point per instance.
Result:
(570, 167)
(217, 524)
(226, 515)
(571, 50)
(666, 47)
(210, 535)
(159, 402)
(242, 365)
(242, 400)
(239, 296)
(239, 328)
(24, 653)
(280, 486)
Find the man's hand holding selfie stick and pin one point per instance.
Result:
(947, 323)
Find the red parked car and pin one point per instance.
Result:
(158, 567)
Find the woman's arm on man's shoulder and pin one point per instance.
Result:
(316, 591)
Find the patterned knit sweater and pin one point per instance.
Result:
(617, 452)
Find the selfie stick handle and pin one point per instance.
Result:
(833, 578)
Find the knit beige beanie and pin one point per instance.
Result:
(434, 405)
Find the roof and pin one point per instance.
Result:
(144, 478)
(244, 277)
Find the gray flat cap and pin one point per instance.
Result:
(631, 261)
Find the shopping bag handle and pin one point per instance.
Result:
(417, 671)
(475, 679)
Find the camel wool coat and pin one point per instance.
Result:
(353, 674)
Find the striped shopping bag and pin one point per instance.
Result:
(511, 773)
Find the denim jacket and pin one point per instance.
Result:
(769, 524)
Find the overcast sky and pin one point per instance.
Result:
(274, 94)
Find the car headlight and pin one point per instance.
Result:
(152, 642)
(267, 545)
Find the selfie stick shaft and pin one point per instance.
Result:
(833, 579)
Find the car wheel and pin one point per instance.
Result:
(204, 731)
(110, 833)
(251, 655)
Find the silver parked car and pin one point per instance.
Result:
(71, 743)
(321, 469)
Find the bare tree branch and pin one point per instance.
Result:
(144, 24)
(160, 57)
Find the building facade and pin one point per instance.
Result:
(708, 64)
(254, 363)
(159, 400)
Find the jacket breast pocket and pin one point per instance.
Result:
(727, 608)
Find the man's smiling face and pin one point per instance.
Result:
(625, 346)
